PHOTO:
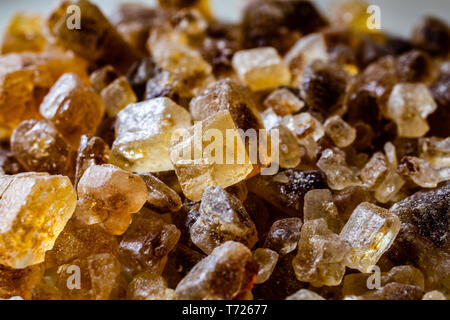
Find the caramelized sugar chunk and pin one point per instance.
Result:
(267, 260)
(144, 132)
(161, 198)
(110, 196)
(35, 207)
(72, 108)
(284, 235)
(117, 96)
(24, 33)
(319, 205)
(284, 102)
(39, 147)
(340, 131)
(234, 261)
(146, 245)
(19, 282)
(148, 286)
(222, 218)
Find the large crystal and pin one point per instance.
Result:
(110, 196)
(211, 153)
(148, 286)
(340, 131)
(319, 205)
(370, 231)
(24, 33)
(144, 132)
(161, 198)
(35, 207)
(267, 260)
(339, 174)
(222, 218)
(284, 102)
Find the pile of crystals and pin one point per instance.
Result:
(160, 153)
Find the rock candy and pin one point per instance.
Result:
(19, 282)
(267, 260)
(117, 96)
(339, 174)
(146, 245)
(222, 162)
(420, 172)
(24, 33)
(92, 151)
(305, 294)
(39, 147)
(289, 148)
(284, 102)
(96, 40)
(222, 218)
(232, 259)
(319, 205)
(340, 131)
(321, 256)
(435, 151)
(144, 132)
(375, 170)
(161, 198)
(370, 231)
(73, 109)
(284, 235)
(147, 286)
(35, 207)
(409, 105)
(286, 190)
(261, 68)
(110, 196)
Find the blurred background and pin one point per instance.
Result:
(397, 16)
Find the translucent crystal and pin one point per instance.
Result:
(340, 131)
(305, 294)
(147, 286)
(199, 164)
(19, 282)
(389, 187)
(110, 196)
(270, 119)
(289, 148)
(339, 174)
(35, 209)
(117, 96)
(144, 132)
(228, 95)
(319, 205)
(321, 255)
(434, 295)
(419, 171)
(375, 170)
(284, 102)
(39, 147)
(261, 68)
(146, 245)
(24, 33)
(222, 218)
(79, 241)
(232, 259)
(409, 105)
(161, 198)
(283, 236)
(96, 41)
(435, 151)
(304, 52)
(370, 232)
(92, 151)
(98, 274)
(348, 199)
(286, 190)
(103, 77)
(267, 260)
(73, 109)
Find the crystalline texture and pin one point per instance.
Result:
(73, 109)
(144, 132)
(222, 218)
(321, 255)
(147, 244)
(339, 174)
(409, 105)
(199, 164)
(34, 208)
(319, 205)
(147, 286)
(420, 172)
(370, 231)
(284, 102)
(340, 131)
(110, 196)
(161, 198)
(261, 68)
(19, 282)
(117, 96)
(283, 236)
(267, 260)
(232, 260)
(24, 33)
